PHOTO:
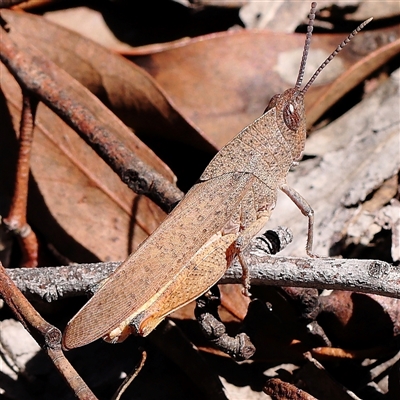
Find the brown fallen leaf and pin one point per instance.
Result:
(126, 89)
(90, 24)
(335, 353)
(225, 80)
(360, 9)
(233, 301)
(375, 50)
(83, 207)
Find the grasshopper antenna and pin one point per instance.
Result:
(333, 54)
(311, 18)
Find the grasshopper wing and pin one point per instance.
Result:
(160, 259)
(206, 268)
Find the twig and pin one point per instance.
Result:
(370, 276)
(44, 333)
(280, 390)
(43, 78)
(53, 283)
(16, 222)
(239, 346)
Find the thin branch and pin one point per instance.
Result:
(129, 379)
(369, 276)
(44, 333)
(16, 221)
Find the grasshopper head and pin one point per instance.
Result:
(290, 118)
(289, 106)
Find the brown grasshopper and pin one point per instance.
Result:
(215, 222)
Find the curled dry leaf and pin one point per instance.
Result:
(126, 89)
(225, 80)
(359, 320)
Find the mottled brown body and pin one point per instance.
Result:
(192, 248)
(217, 219)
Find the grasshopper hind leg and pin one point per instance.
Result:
(242, 244)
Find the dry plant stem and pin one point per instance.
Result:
(369, 276)
(43, 78)
(280, 390)
(322, 382)
(129, 379)
(30, 318)
(16, 220)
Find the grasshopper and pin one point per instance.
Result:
(214, 223)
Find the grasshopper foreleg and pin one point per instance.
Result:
(306, 210)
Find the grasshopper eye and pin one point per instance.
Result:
(291, 116)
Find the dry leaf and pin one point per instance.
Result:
(359, 320)
(126, 89)
(82, 202)
(225, 80)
